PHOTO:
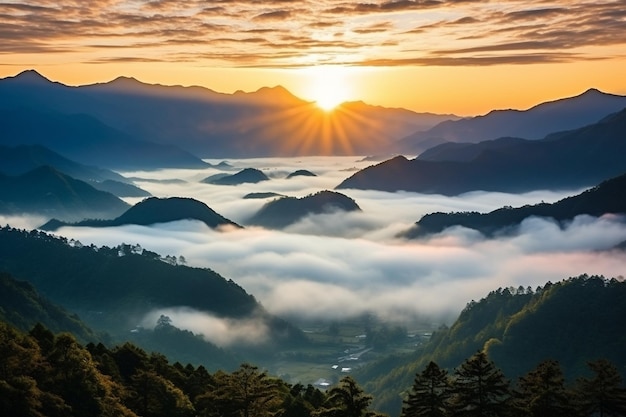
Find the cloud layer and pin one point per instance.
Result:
(341, 265)
(249, 33)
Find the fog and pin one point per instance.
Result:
(340, 265)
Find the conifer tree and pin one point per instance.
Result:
(479, 389)
(603, 395)
(347, 399)
(542, 392)
(429, 394)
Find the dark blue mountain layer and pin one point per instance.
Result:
(608, 197)
(565, 160)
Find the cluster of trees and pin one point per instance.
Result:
(47, 375)
(479, 388)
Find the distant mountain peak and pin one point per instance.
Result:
(31, 76)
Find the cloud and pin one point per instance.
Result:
(340, 265)
(219, 331)
(511, 32)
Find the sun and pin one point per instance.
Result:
(328, 86)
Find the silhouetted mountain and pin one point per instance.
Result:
(84, 138)
(120, 189)
(114, 288)
(247, 175)
(268, 122)
(47, 192)
(287, 210)
(156, 210)
(608, 197)
(21, 159)
(22, 307)
(534, 123)
(573, 322)
(251, 196)
(564, 160)
(301, 173)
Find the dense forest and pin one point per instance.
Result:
(42, 374)
(575, 321)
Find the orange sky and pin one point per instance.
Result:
(449, 56)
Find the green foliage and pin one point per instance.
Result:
(574, 321)
(430, 393)
(603, 394)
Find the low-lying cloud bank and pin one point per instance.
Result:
(343, 264)
(221, 331)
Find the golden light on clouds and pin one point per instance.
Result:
(225, 42)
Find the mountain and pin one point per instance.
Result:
(573, 322)
(114, 288)
(23, 307)
(247, 175)
(17, 160)
(534, 123)
(47, 192)
(284, 211)
(608, 197)
(155, 210)
(85, 138)
(21, 159)
(564, 160)
(120, 189)
(301, 173)
(267, 122)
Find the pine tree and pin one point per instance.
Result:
(429, 394)
(602, 395)
(347, 399)
(542, 392)
(479, 389)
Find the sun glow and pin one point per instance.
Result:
(328, 86)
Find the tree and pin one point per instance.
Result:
(347, 400)
(602, 395)
(429, 394)
(542, 392)
(479, 389)
(244, 393)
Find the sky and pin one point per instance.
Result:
(445, 56)
(339, 265)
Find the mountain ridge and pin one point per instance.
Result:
(533, 123)
(523, 165)
(155, 210)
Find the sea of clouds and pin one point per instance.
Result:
(340, 265)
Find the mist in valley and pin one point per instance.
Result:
(340, 265)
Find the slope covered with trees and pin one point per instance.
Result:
(112, 288)
(284, 211)
(608, 197)
(574, 321)
(43, 374)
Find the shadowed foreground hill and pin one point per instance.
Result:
(113, 288)
(155, 210)
(573, 322)
(563, 160)
(23, 307)
(608, 197)
(47, 192)
(287, 210)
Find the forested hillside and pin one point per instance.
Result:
(113, 288)
(573, 322)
